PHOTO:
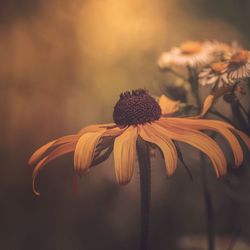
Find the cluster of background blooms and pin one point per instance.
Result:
(218, 64)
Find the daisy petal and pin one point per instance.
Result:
(124, 155)
(151, 134)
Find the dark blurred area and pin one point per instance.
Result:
(63, 65)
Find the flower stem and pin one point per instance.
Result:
(209, 207)
(206, 192)
(145, 190)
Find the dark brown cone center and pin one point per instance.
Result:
(136, 107)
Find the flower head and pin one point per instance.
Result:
(190, 53)
(137, 114)
(214, 74)
(222, 51)
(239, 65)
(136, 107)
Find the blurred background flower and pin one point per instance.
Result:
(62, 66)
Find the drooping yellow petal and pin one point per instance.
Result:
(125, 154)
(150, 133)
(167, 105)
(66, 139)
(198, 140)
(85, 149)
(220, 127)
(39, 153)
(59, 151)
(87, 144)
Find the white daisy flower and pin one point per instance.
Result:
(215, 74)
(190, 53)
(239, 65)
(222, 51)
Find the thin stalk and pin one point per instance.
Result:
(246, 113)
(209, 207)
(206, 192)
(193, 79)
(236, 109)
(237, 115)
(145, 190)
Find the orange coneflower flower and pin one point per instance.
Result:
(138, 114)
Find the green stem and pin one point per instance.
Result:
(145, 188)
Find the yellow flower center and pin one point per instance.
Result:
(219, 66)
(136, 107)
(240, 57)
(191, 47)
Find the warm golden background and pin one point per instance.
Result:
(62, 66)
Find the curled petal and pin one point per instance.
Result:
(87, 146)
(66, 139)
(125, 154)
(152, 134)
(39, 153)
(85, 149)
